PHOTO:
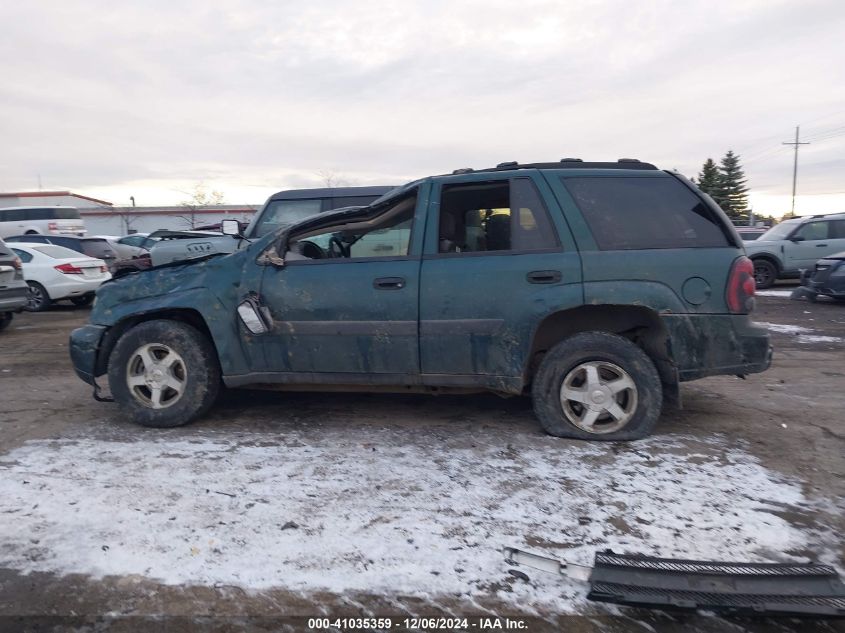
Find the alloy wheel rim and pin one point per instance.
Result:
(35, 298)
(156, 376)
(598, 397)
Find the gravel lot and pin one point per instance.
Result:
(309, 504)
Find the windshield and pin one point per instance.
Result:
(279, 213)
(779, 232)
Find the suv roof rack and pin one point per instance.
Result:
(566, 163)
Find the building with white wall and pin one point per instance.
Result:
(123, 220)
(103, 218)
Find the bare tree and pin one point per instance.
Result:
(200, 196)
(332, 179)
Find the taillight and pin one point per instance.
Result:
(16, 263)
(52, 226)
(68, 269)
(741, 286)
(104, 269)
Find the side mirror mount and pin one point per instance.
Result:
(231, 227)
(797, 238)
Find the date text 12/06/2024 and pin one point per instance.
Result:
(416, 624)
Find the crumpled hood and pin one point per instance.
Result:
(165, 280)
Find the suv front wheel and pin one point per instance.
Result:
(765, 273)
(597, 386)
(164, 373)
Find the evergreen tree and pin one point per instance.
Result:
(709, 179)
(733, 194)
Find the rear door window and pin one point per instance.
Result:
(630, 213)
(505, 215)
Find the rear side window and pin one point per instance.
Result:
(642, 213)
(65, 214)
(25, 257)
(97, 248)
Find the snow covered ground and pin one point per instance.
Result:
(405, 515)
(802, 334)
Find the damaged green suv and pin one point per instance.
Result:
(594, 287)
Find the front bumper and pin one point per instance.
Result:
(821, 283)
(717, 344)
(84, 347)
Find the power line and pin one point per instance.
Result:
(795, 143)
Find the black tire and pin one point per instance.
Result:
(5, 320)
(200, 373)
(83, 300)
(643, 399)
(38, 299)
(765, 273)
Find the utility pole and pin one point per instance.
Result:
(796, 143)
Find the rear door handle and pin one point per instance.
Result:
(544, 276)
(389, 283)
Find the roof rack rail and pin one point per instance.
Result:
(567, 163)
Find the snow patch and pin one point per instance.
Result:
(773, 293)
(375, 514)
(803, 334)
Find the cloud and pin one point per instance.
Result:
(267, 94)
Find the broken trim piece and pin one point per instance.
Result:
(758, 589)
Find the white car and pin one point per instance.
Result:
(55, 273)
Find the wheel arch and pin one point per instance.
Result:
(188, 316)
(772, 259)
(639, 324)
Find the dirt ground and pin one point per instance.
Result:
(789, 420)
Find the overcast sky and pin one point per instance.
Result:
(253, 97)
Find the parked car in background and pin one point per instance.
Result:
(40, 220)
(96, 247)
(13, 288)
(128, 246)
(826, 278)
(593, 287)
(281, 209)
(54, 273)
(133, 252)
(750, 233)
(786, 248)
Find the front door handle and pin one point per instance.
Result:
(821, 245)
(543, 276)
(389, 283)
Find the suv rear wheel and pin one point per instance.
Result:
(597, 386)
(165, 373)
(5, 320)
